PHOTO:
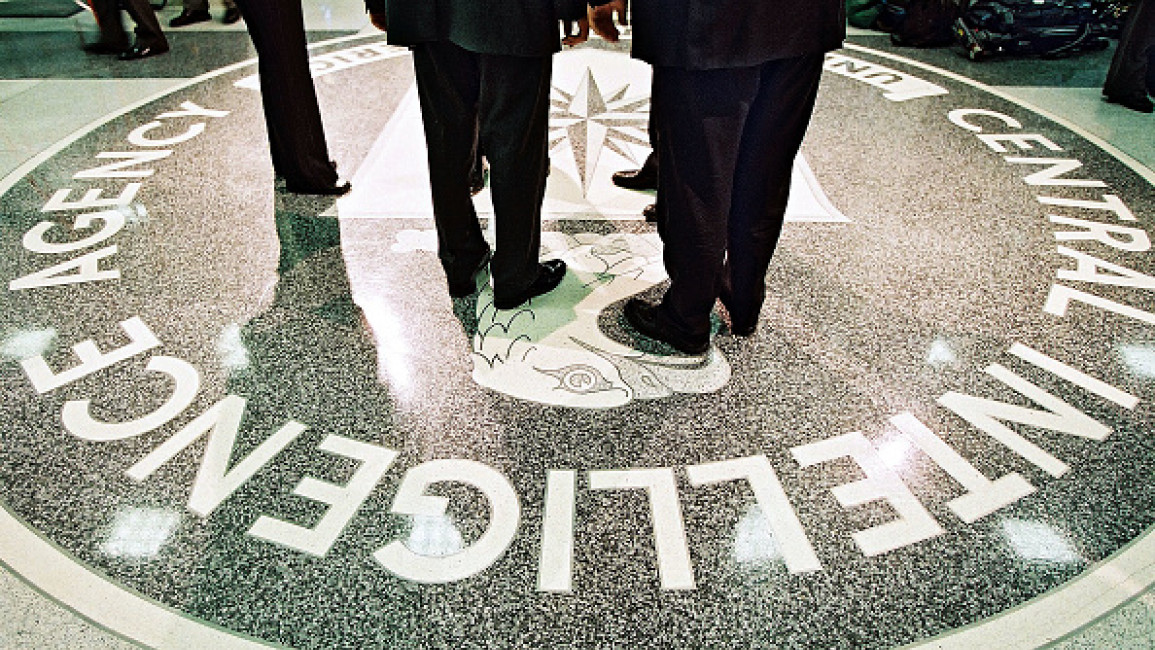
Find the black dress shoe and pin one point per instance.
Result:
(137, 52)
(338, 188)
(550, 273)
(232, 15)
(468, 286)
(645, 178)
(1134, 101)
(738, 327)
(187, 17)
(103, 48)
(650, 212)
(643, 317)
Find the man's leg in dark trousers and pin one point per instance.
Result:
(698, 116)
(292, 115)
(514, 125)
(148, 31)
(112, 34)
(500, 104)
(448, 85)
(727, 142)
(771, 138)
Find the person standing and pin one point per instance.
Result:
(149, 38)
(1131, 77)
(734, 86)
(483, 71)
(289, 99)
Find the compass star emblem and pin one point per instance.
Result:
(591, 122)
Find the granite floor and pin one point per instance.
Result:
(234, 417)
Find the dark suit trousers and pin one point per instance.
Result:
(148, 31)
(727, 139)
(500, 103)
(292, 116)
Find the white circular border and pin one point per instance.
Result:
(1044, 619)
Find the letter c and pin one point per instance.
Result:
(138, 137)
(958, 117)
(410, 500)
(80, 423)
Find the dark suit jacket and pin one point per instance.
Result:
(707, 34)
(506, 27)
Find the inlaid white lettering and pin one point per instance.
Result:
(91, 199)
(343, 501)
(772, 501)
(139, 135)
(112, 221)
(986, 415)
(1089, 268)
(959, 117)
(78, 419)
(1059, 300)
(127, 159)
(1134, 240)
(983, 496)
(1023, 141)
(674, 568)
(85, 268)
(189, 109)
(505, 516)
(91, 358)
(1056, 167)
(215, 481)
(1110, 203)
(1075, 376)
(555, 565)
(914, 524)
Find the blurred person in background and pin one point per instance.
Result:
(149, 38)
(197, 11)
